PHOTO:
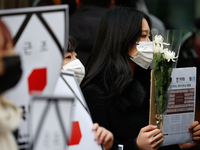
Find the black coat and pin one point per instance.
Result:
(83, 27)
(124, 116)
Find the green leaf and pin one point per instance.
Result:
(162, 80)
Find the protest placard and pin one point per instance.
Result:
(40, 38)
(180, 113)
(82, 136)
(49, 122)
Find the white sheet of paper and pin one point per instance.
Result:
(41, 35)
(181, 109)
(49, 122)
(80, 114)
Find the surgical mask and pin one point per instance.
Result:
(77, 67)
(12, 72)
(144, 55)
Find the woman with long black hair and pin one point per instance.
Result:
(116, 84)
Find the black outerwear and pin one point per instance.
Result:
(124, 120)
(83, 27)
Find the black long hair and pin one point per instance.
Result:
(72, 44)
(118, 29)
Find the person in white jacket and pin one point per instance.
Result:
(10, 73)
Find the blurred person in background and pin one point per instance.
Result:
(71, 63)
(83, 25)
(47, 2)
(10, 73)
(44, 2)
(141, 6)
(71, 3)
(84, 18)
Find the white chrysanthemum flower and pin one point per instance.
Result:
(169, 55)
(158, 49)
(158, 39)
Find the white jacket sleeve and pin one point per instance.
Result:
(9, 120)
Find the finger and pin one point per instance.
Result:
(157, 137)
(154, 132)
(95, 126)
(188, 145)
(197, 128)
(108, 137)
(102, 136)
(196, 138)
(157, 146)
(197, 133)
(148, 128)
(98, 133)
(157, 143)
(193, 125)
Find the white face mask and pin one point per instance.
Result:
(144, 55)
(77, 67)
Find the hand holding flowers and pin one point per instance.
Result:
(164, 59)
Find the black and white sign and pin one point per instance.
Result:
(82, 136)
(40, 38)
(50, 122)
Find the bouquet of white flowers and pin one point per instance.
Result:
(163, 60)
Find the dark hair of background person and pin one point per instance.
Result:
(72, 44)
(6, 35)
(102, 3)
(118, 30)
(45, 3)
(72, 5)
(83, 25)
(126, 3)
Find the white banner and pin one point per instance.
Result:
(49, 122)
(181, 107)
(40, 37)
(82, 136)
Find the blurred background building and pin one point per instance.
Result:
(176, 14)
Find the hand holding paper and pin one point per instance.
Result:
(103, 136)
(195, 127)
(149, 138)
